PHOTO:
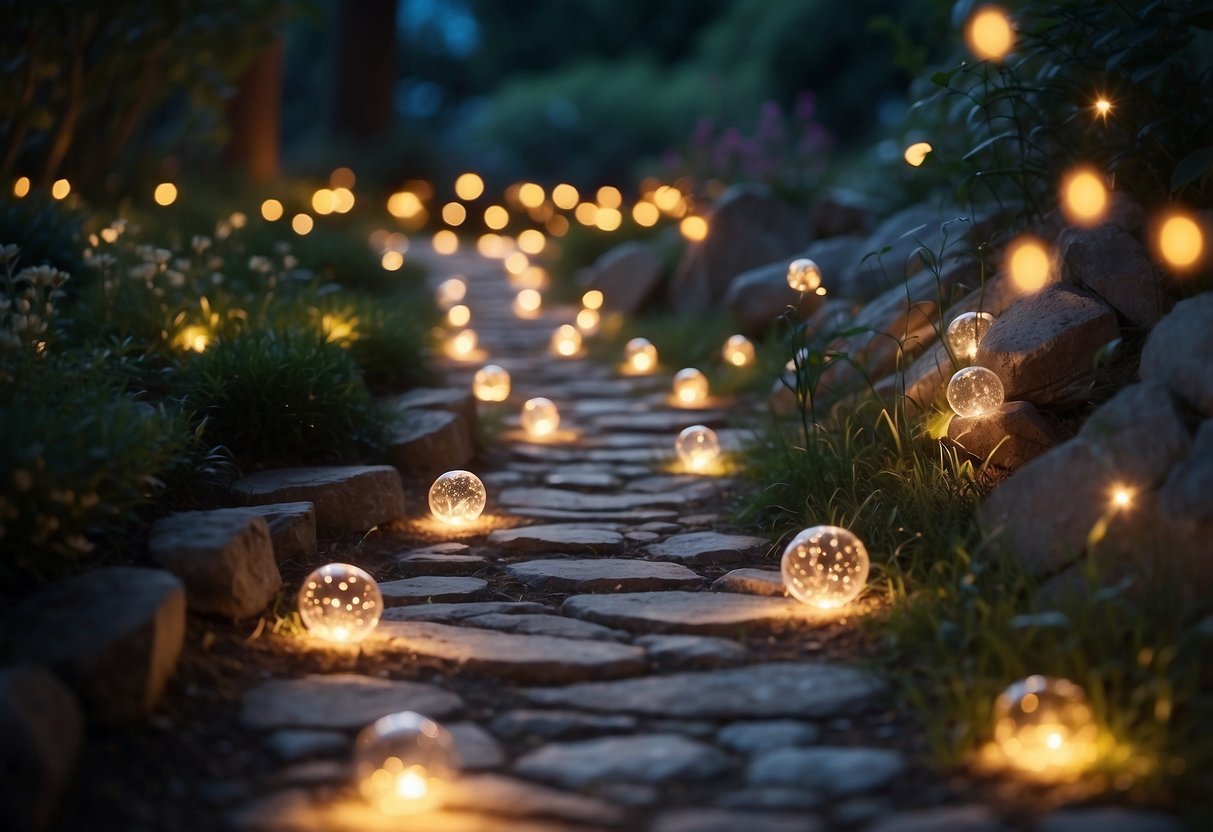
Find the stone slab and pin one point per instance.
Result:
(602, 575)
(460, 612)
(694, 548)
(292, 528)
(349, 498)
(558, 538)
(836, 771)
(704, 613)
(431, 588)
(687, 652)
(751, 582)
(343, 701)
(653, 758)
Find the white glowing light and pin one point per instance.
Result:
(462, 344)
(566, 341)
(340, 602)
(450, 292)
(491, 384)
(965, 332)
(540, 418)
(1044, 727)
(825, 566)
(527, 303)
(697, 447)
(690, 386)
(457, 498)
(804, 276)
(404, 764)
(640, 356)
(975, 391)
(738, 350)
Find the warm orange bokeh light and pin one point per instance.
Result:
(21, 186)
(530, 195)
(496, 217)
(271, 210)
(445, 242)
(1084, 197)
(165, 193)
(1180, 241)
(916, 153)
(302, 224)
(609, 197)
(453, 213)
(61, 188)
(323, 202)
(1103, 106)
(557, 225)
(404, 205)
(392, 260)
(343, 200)
(990, 34)
(667, 198)
(342, 178)
(586, 213)
(645, 214)
(694, 228)
(565, 196)
(469, 186)
(592, 299)
(531, 241)
(1029, 264)
(608, 219)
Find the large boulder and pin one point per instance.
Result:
(1008, 439)
(457, 400)
(292, 528)
(749, 227)
(629, 276)
(41, 730)
(428, 442)
(1111, 263)
(224, 557)
(114, 635)
(347, 498)
(840, 213)
(1178, 350)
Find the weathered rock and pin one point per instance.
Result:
(224, 557)
(689, 652)
(655, 758)
(423, 562)
(554, 725)
(1043, 348)
(707, 613)
(588, 480)
(558, 537)
(902, 233)
(628, 276)
(1178, 349)
(291, 745)
(349, 498)
(923, 382)
(694, 548)
(838, 212)
(431, 588)
(1108, 819)
(495, 794)
(754, 737)
(748, 228)
(457, 400)
(768, 797)
(476, 747)
(732, 820)
(828, 770)
(1188, 489)
(968, 818)
(1009, 439)
(560, 499)
(340, 701)
(461, 612)
(751, 582)
(429, 442)
(797, 690)
(1111, 263)
(536, 624)
(114, 635)
(602, 575)
(1139, 434)
(508, 655)
(41, 730)
(292, 528)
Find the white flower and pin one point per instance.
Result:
(260, 264)
(175, 278)
(289, 262)
(200, 243)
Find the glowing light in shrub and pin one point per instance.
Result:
(825, 566)
(193, 338)
(445, 242)
(1029, 264)
(1084, 197)
(1121, 497)
(975, 391)
(690, 386)
(640, 356)
(165, 193)
(339, 329)
(468, 186)
(804, 276)
(1044, 727)
(916, 153)
(302, 224)
(1102, 107)
(491, 384)
(566, 340)
(698, 447)
(965, 332)
(694, 228)
(1180, 241)
(271, 210)
(527, 303)
(457, 498)
(540, 418)
(61, 188)
(459, 315)
(340, 603)
(404, 764)
(990, 34)
(738, 350)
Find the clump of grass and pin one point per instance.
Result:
(387, 337)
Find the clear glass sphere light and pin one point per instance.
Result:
(1044, 726)
(975, 391)
(825, 566)
(690, 386)
(540, 418)
(450, 292)
(697, 447)
(340, 603)
(527, 303)
(462, 344)
(738, 350)
(804, 276)
(640, 355)
(457, 498)
(965, 332)
(491, 383)
(566, 341)
(404, 763)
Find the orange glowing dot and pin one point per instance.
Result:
(342, 178)
(592, 299)
(468, 186)
(645, 214)
(1103, 106)
(1122, 497)
(21, 186)
(61, 188)
(527, 303)
(271, 210)
(490, 245)
(530, 195)
(532, 241)
(1029, 264)
(302, 224)
(990, 34)
(916, 153)
(445, 242)
(392, 260)
(694, 228)
(608, 219)
(557, 225)
(1084, 197)
(667, 198)
(343, 200)
(165, 193)
(586, 213)
(453, 213)
(1180, 241)
(609, 197)
(496, 217)
(323, 202)
(459, 316)
(404, 205)
(565, 196)
(517, 263)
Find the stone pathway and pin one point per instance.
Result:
(605, 650)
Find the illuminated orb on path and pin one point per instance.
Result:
(491, 383)
(457, 498)
(965, 332)
(540, 418)
(404, 763)
(975, 391)
(462, 344)
(825, 566)
(804, 276)
(1044, 726)
(697, 447)
(340, 602)
(450, 292)
(639, 355)
(566, 341)
(690, 386)
(738, 350)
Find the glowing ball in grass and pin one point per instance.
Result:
(1044, 726)
(340, 603)
(738, 350)
(457, 498)
(640, 355)
(825, 566)
(803, 275)
(690, 386)
(462, 344)
(491, 383)
(965, 332)
(566, 340)
(404, 763)
(697, 447)
(540, 418)
(450, 292)
(975, 391)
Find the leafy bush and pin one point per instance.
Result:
(48, 233)
(282, 396)
(385, 336)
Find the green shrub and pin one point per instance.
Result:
(387, 337)
(280, 397)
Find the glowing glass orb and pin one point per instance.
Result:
(640, 355)
(588, 320)
(916, 153)
(457, 497)
(975, 391)
(458, 315)
(738, 350)
(1180, 241)
(825, 566)
(450, 292)
(404, 763)
(965, 332)
(1044, 726)
(989, 33)
(165, 193)
(540, 418)
(803, 275)
(566, 340)
(491, 384)
(271, 210)
(1029, 264)
(462, 344)
(340, 602)
(697, 447)
(527, 303)
(1084, 197)
(593, 299)
(1103, 106)
(690, 386)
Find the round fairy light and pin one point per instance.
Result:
(690, 386)
(825, 566)
(450, 292)
(738, 350)
(457, 498)
(697, 447)
(804, 276)
(491, 383)
(540, 418)
(462, 344)
(965, 333)
(404, 763)
(527, 303)
(640, 355)
(566, 340)
(975, 391)
(340, 603)
(1044, 726)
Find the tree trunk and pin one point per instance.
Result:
(255, 115)
(363, 69)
